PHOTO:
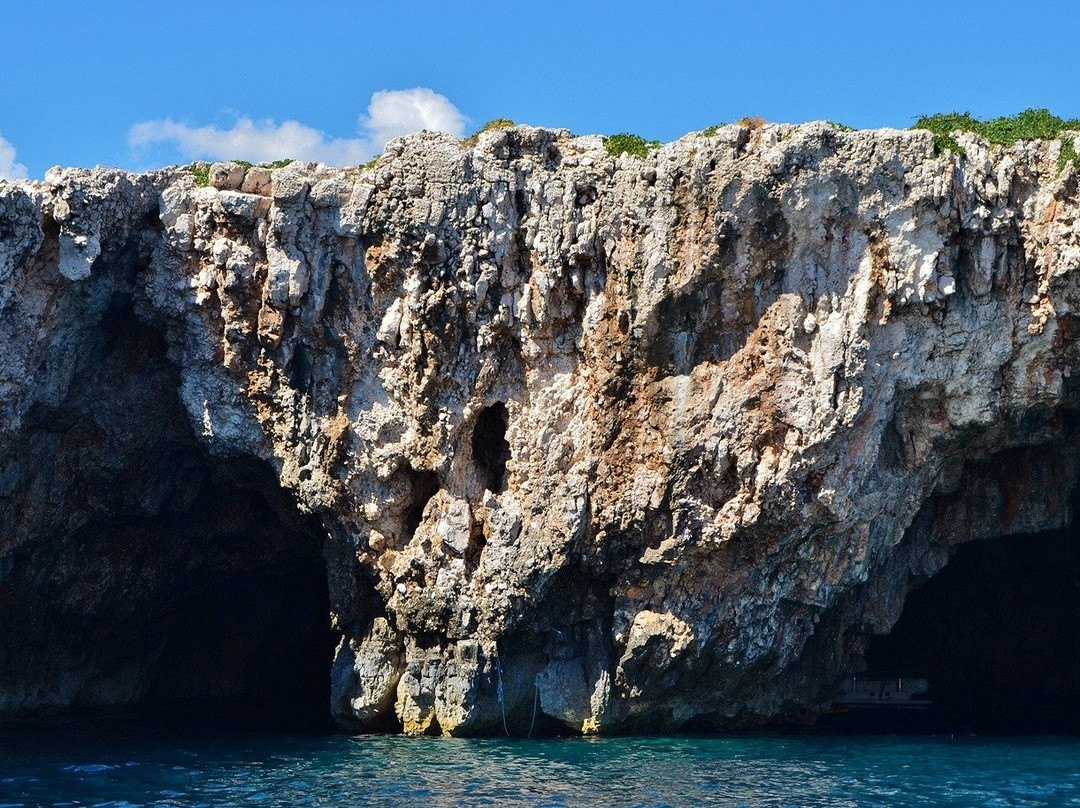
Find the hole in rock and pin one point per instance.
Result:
(490, 447)
(425, 485)
(152, 574)
(997, 635)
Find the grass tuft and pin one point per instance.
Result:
(634, 145)
(753, 122)
(278, 163)
(711, 130)
(843, 127)
(495, 123)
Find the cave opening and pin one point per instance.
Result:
(168, 582)
(244, 630)
(491, 450)
(996, 634)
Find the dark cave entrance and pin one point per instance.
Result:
(166, 580)
(243, 627)
(490, 448)
(997, 635)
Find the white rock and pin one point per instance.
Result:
(226, 176)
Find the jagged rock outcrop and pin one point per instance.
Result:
(640, 444)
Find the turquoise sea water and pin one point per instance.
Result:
(82, 765)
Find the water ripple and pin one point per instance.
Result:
(61, 768)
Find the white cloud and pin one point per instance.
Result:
(391, 113)
(9, 169)
(250, 140)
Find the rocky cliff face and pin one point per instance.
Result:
(613, 444)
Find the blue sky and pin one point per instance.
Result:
(220, 79)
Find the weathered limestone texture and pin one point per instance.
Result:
(648, 443)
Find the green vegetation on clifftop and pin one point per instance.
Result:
(1031, 124)
(634, 145)
(201, 172)
(495, 123)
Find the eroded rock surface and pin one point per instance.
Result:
(642, 444)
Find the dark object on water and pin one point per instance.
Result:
(880, 703)
(878, 692)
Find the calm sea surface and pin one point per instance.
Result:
(76, 764)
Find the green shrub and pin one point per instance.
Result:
(1067, 154)
(634, 145)
(201, 172)
(1031, 124)
(709, 131)
(843, 127)
(278, 163)
(944, 143)
(243, 163)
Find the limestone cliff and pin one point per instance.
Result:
(640, 444)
